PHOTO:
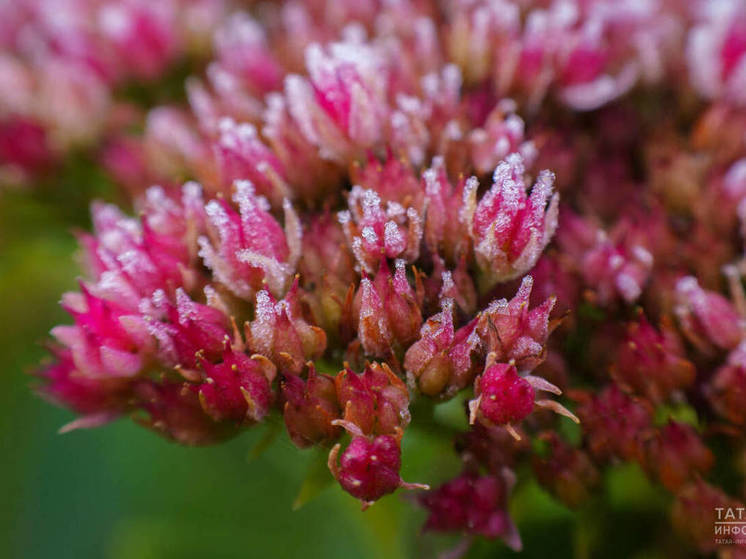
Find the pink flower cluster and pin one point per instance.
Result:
(374, 232)
(61, 61)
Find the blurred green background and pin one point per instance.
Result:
(120, 492)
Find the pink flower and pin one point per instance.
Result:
(280, 332)
(440, 362)
(509, 228)
(374, 230)
(678, 455)
(473, 504)
(614, 424)
(389, 316)
(173, 409)
(376, 401)
(566, 471)
(142, 35)
(107, 339)
(707, 318)
(310, 408)
(726, 390)
(241, 154)
(515, 332)
(97, 400)
(651, 363)
(248, 246)
(186, 330)
(369, 467)
(238, 388)
(342, 105)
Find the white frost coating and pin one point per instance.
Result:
(371, 306)
(592, 95)
(392, 237)
(185, 307)
(293, 233)
(469, 202)
(734, 181)
(432, 185)
(447, 286)
(515, 126)
(369, 234)
(241, 30)
(344, 217)
(276, 273)
(394, 210)
(628, 287)
(263, 325)
(299, 101)
(191, 195)
(220, 269)
(247, 200)
(642, 255)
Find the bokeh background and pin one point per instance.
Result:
(121, 492)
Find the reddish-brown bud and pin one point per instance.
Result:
(566, 471)
(514, 332)
(376, 401)
(310, 407)
(650, 362)
(473, 504)
(369, 466)
(280, 332)
(440, 362)
(238, 389)
(389, 316)
(614, 424)
(677, 455)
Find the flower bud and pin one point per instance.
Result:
(374, 232)
(503, 397)
(376, 401)
(341, 107)
(107, 340)
(238, 389)
(185, 328)
(566, 471)
(614, 424)
(97, 400)
(510, 228)
(173, 410)
(440, 362)
(726, 390)
(677, 455)
(241, 155)
(369, 467)
(651, 363)
(280, 332)
(513, 331)
(248, 247)
(310, 407)
(475, 505)
(389, 316)
(707, 318)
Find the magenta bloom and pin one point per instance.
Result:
(369, 468)
(346, 262)
(473, 504)
(509, 228)
(249, 246)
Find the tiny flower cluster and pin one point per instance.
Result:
(61, 65)
(376, 231)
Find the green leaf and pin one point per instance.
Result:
(318, 477)
(274, 428)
